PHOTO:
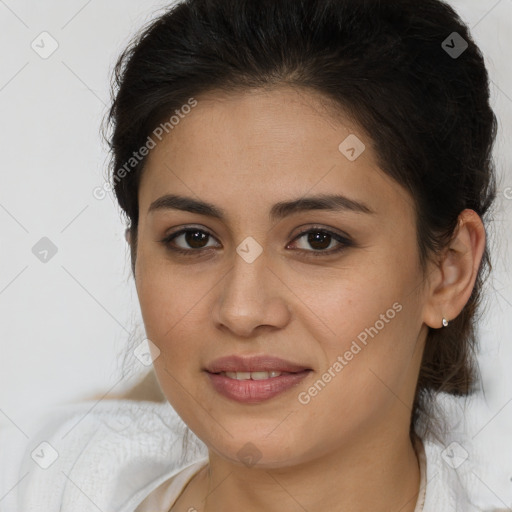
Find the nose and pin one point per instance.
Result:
(251, 297)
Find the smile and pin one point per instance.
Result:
(254, 387)
(251, 375)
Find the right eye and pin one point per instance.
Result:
(194, 238)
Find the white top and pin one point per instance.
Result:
(127, 456)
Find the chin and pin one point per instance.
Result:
(258, 451)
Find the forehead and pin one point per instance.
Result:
(271, 120)
(262, 145)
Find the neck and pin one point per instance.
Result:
(377, 472)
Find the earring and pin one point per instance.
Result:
(445, 322)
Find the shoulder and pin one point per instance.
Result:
(164, 497)
(455, 477)
(90, 456)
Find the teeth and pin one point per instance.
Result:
(251, 375)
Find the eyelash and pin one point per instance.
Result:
(345, 242)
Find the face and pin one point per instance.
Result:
(333, 289)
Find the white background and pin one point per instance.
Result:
(64, 324)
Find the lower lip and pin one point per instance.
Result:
(255, 391)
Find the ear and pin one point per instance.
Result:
(452, 281)
(127, 236)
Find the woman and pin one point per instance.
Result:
(306, 185)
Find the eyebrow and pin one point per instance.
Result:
(277, 212)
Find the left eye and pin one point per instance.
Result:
(319, 239)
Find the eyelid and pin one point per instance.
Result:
(317, 227)
(344, 240)
(305, 230)
(169, 236)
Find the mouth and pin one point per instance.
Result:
(254, 365)
(254, 379)
(260, 375)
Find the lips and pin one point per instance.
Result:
(254, 379)
(263, 363)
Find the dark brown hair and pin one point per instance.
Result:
(387, 64)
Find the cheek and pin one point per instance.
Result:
(170, 321)
(368, 370)
(375, 316)
(357, 300)
(163, 294)
(171, 305)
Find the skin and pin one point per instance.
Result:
(243, 153)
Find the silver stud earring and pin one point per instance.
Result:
(445, 322)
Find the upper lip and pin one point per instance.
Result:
(262, 363)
